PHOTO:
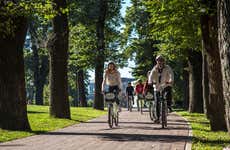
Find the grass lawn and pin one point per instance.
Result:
(203, 138)
(40, 121)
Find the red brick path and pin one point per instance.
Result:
(135, 132)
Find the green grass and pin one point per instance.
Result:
(41, 122)
(203, 138)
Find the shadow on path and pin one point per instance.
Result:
(127, 137)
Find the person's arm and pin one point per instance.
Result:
(119, 80)
(103, 82)
(151, 79)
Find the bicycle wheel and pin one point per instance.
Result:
(151, 111)
(130, 104)
(110, 116)
(163, 115)
(116, 119)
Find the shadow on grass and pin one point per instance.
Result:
(11, 145)
(211, 142)
(36, 112)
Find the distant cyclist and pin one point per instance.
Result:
(139, 92)
(162, 74)
(130, 91)
(112, 79)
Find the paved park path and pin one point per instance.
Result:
(135, 132)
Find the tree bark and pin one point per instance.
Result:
(210, 40)
(205, 82)
(195, 82)
(186, 88)
(99, 68)
(13, 111)
(81, 88)
(224, 47)
(58, 49)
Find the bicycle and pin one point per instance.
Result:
(113, 113)
(163, 107)
(130, 101)
(150, 98)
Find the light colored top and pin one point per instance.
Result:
(166, 76)
(112, 79)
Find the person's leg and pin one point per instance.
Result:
(133, 99)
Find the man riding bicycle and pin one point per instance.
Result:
(162, 76)
(129, 96)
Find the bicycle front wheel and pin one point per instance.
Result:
(116, 119)
(163, 115)
(110, 116)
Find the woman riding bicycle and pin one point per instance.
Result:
(112, 79)
(162, 75)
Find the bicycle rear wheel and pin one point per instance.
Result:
(110, 116)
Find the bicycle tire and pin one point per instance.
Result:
(151, 111)
(116, 119)
(163, 115)
(110, 116)
(130, 104)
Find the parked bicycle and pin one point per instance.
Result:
(113, 112)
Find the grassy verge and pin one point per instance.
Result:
(40, 121)
(203, 137)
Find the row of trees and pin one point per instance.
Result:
(194, 36)
(69, 36)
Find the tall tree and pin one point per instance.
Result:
(209, 30)
(81, 88)
(224, 47)
(195, 82)
(99, 66)
(58, 47)
(40, 60)
(13, 112)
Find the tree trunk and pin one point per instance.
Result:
(224, 47)
(13, 111)
(186, 88)
(210, 40)
(81, 88)
(195, 82)
(42, 78)
(58, 46)
(99, 68)
(205, 82)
